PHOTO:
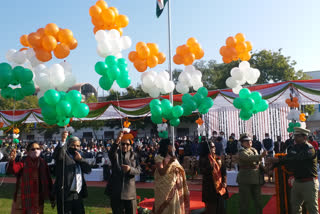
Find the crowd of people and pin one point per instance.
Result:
(123, 159)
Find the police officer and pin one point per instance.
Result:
(249, 176)
(302, 161)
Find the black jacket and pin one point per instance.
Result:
(69, 167)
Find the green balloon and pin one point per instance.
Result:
(198, 98)
(155, 102)
(28, 88)
(203, 109)
(111, 61)
(291, 125)
(105, 83)
(113, 72)
(7, 93)
(124, 81)
(186, 98)
(18, 94)
(263, 105)
(245, 115)
(247, 104)
(191, 104)
(297, 124)
(123, 71)
(186, 110)
(52, 97)
(166, 106)
(81, 110)
(42, 102)
(50, 121)
(156, 120)
(122, 61)
(163, 134)
(49, 112)
(17, 73)
(177, 111)
(237, 103)
(63, 108)
(101, 68)
(256, 96)
(26, 76)
(62, 95)
(16, 141)
(168, 116)
(207, 102)
(74, 97)
(156, 111)
(175, 122)
(290, 129)
(203, 91)
(5, 74)
(64, 122)
(244, 93)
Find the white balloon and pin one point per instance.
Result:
(44, 81)
(197, 73)
(184, 77)
(70, 80)
(15, 135)
(143, 75)
(40, 94)
(154, 92)
(40, 69)
(181, 88)
(9, 54)
(115, 46)
(165, 75)
(189, 68)
(57, 76)
(66, 66)
(148, 81)
(114, 34)
(100, 35)
(160, 82)
(244, 65)
(153, 73)
(237, 74)
(144, 88)
(30, 53)
(102, 53)
(231, 82)
(125, 42)
(237, 89)
(34, 61)
(1, 156)
(118, 55)
(195, 80)
(197, 86)
(19, 57)
(169, 87)
(303, 125)
(256, 72)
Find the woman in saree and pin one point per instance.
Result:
(214, 180)
(170, 184)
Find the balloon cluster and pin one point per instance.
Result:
(302, 117)
(57, 107)
(187, 53)
(293, 103)
(201, 127)
(190, 77)
(113, 69)
(292, 125)
(15, 135)
(111, 43)
(155, 83)
(236, 48)
(107, 18)
(57, 76)
(21, 57)
(162, 130)
(294, 114)
(198, 101)
(146, 55)
(48, 39)
(126, 125)
(18, 76)
(250, 103)
(242, 74)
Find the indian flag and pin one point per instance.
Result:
(160, 6)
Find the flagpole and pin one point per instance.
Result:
(170, 62)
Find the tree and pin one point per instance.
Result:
(91, 99)
(28, 102)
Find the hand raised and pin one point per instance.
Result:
(77, 156)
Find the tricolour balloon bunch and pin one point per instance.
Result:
(190, 77)
(199, 101)
(107, 18)
(293, 103)
(236, 48)
(48, 39)
(113, 69)
(57, 76)
(155, 83)
(16, 135)
(162, 130)
(201, 127)
(57, 107)
(250, 103)
(111, 43)
(295, 115)
(20, 77)
(187, 53)
(242, 74)
(146, 55)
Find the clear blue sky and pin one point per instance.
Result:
(292, 25)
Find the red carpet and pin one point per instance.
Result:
(195, 201)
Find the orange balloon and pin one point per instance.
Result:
(152, 61)
(51, 29)
(133, 56)
(24, 40)
(249, 46)
(288, 101)
(108, 16)
(73, 45)
(246, 56)
(120, 30)
(241, 47)
(122, 21)
(161, 58)
(65, 36)
(140, 65)
(102, 4)
(143, 52)
(34, 40)
(178, 59)
(231, 42)
(154, 49)
(230, 52)
(140, 44)
(235, 57)
(240, 37)
(295, 99)
(97, 21)
(115, 10)
(188, 59)
(95, 29)
(182, 50)
(196, 47)
(296, 105)
(49, 43)
(62, 51)
(191, 41)
(223, 50)
(23, 49)
(42, 55)
(95, 11)
(199, 54)
(226, 59)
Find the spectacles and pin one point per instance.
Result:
(34, 149)
(212, 147)
(125, 144)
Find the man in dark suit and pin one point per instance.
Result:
(121, 186)
(279, 146)
(70, 186)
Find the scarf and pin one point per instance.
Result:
(216, 175)
(35, 188)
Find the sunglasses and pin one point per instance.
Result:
(125, 144)
(34, 149)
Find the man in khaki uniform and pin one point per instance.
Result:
(249, 178)
(302, 161)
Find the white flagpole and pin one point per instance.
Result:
(170, 62)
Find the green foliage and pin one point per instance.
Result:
(28, 102)
(309, 109)
(91, 99)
